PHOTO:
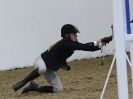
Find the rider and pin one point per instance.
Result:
(50, 61)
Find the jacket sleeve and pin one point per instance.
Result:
(80, 46)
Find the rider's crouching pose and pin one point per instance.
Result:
(50, 61)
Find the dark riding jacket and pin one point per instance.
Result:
(56, 57)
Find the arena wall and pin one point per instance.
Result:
(29, 27)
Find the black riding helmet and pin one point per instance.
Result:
(68, 28)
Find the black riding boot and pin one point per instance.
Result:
(45, 89)
(35, 87)
(34, 74)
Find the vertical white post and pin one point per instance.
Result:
(119, 34)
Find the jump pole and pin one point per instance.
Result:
(119, 36)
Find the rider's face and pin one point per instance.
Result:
(73, 36)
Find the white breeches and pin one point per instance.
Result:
(51, 76)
